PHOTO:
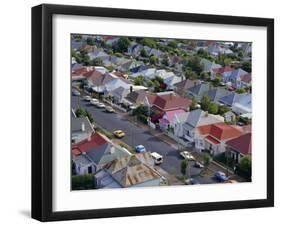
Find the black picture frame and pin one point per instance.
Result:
(42, 111)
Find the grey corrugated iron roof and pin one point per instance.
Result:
(76, 125)
(193, 118)
(81, 160)
(217, 93)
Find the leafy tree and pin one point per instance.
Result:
(139, 81)
(156, 85)
(80, 182)
(216, 82)
(118, 54)
(205, 76)
(90, 41)
(143, 53)
(213, 108)
(153, 60)
(149, 83)
(123, 44)
(240, 90)
(205, 103)
(189, 74)
(194, 64)
(97, 62)
(246, 163)
(247, 66)
(206, 160)
(193, 104)
(184, 164)
(141, 110)
(204, 54)
(150, 42)
(223, 109)
(173, 44)
(81, 112)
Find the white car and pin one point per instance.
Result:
(158, 159)
(187, 155)
(94, 101)
(87, 98)
(100, 105)
(109, 109)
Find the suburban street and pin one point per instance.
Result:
(136, 135)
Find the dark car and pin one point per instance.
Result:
(198, 164)
(220, 176)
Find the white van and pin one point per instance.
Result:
(158, 159)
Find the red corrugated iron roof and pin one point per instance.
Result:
(221, 70)
(171, 102)
(242, 144)
(213, 140)
(93, 141)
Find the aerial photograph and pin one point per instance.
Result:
(151, 111)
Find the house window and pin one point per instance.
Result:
(90, 170)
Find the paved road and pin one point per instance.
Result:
(136, 135)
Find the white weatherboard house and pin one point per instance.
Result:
(195, 119)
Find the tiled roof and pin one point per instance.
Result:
(242, 144)
(220, 131)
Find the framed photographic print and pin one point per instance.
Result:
(146, 112)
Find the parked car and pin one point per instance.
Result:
(220, 176)
(100, 105)
(75, 92)
(187, 155)
(109, 109)
(119, 133)
(191, 181)
(158, 159)
(94, 101)
(87, 98)
(198, 164)
(140, 148)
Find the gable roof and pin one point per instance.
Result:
(242, 144)
(208, 65)
(217, 93)
(237, 73)
(171, 102)
(92, 142)
(200, 89)
(132, 170)
(186, 84)
(232, 98)
(220, 131)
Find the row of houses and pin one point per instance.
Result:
(236, 78)
(112, 165)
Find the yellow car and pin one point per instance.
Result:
(119, 133)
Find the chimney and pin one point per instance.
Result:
(206, 113)
(83, 127)
(131, 89)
